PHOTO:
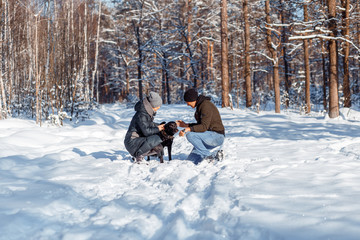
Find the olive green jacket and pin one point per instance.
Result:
(207, 116)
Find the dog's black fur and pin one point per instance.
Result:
(167, 136)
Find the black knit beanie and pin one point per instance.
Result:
(191, 95)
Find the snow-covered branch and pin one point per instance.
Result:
(324, 37)
(266, 56)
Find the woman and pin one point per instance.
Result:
(142, 138)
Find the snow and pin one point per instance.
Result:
(285, 176)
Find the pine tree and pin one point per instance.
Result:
(333, 75)
(224, 56)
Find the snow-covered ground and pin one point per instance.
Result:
(285, 176)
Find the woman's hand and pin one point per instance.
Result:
(181, 123)
(161, 127)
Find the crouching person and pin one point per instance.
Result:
(142, 138)
(207, 133)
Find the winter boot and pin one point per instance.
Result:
(209, 159)
(219, 155)
(138, 159)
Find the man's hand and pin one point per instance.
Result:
(181, 123)
(182, 132)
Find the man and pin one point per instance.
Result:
(208, 132)
(142, 138)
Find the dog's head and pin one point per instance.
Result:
(170, 128)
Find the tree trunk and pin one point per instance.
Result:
(208, 72)
(346, 46)
(275, 58)
(139, 63)
(3, 99)
(11, 61)
(224, 55)
(96, 56)
(210, 61)
(358, 62)
(307, 64)
(75, 78)
(188, 39)
(333, 88)
(323, 55)
(88, 94)
(37, 74)
(284, 39)
(167, 79)
(247, 56)
(163, 80)
(127, 77)
(3, 56)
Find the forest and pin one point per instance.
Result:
(64, 57)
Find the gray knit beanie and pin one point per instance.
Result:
(154, 99)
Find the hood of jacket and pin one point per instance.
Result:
(200, 99)
(144, 106)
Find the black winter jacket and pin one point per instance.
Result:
(142, 135)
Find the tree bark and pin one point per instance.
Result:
(307, 65)
(2, 109)
(284, 39)
(139, 63)
(96, 56)
(188, 44)
(333, 88)
(358, 62)
(346, 46)
(274, 56)
(247, 56)
(224, 55)
(88, 94)
(323, 55)
(3, 56)
(37, 74)
(75, 79)
(11, 61)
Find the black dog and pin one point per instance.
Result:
(167, 136)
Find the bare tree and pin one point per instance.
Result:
(95, 71)
(346, 47)
(284, 41)
(274, 56)
(247, 56)
(2, 54)
(224, 55)
(37, 73)
(88, 94)
(307, 64)
(333, 75)
(325, 80)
